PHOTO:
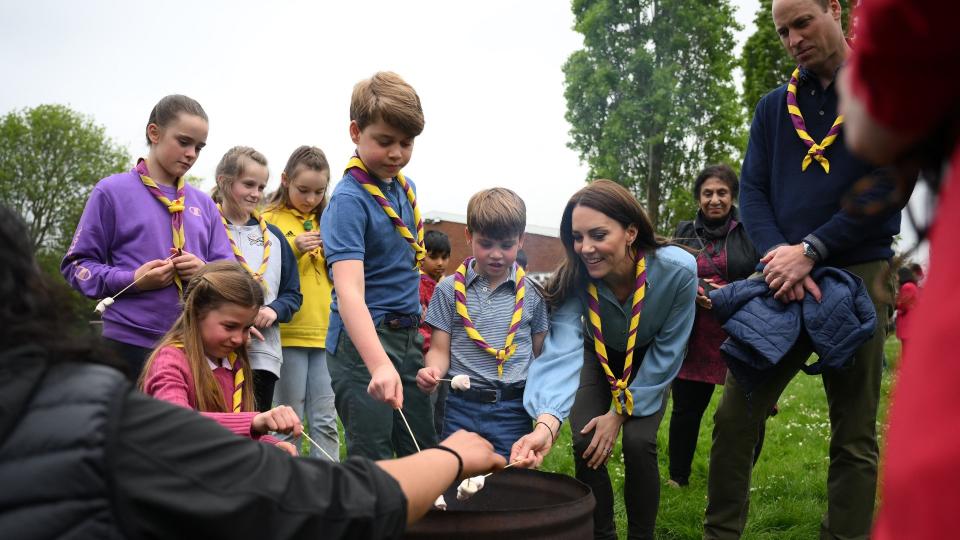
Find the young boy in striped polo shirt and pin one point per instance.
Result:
(488, 323)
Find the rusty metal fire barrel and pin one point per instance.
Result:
(513, 504)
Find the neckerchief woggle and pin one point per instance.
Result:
(814, 151)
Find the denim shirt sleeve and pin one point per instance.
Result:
(554, 376)
(665, 353)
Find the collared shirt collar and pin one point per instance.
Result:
(224, 363)
(472, 275)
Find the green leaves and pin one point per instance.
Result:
(50, 159)
(650, 97)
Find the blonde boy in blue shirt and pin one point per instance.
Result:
(473, 314)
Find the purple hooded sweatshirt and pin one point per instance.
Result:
(124, 226)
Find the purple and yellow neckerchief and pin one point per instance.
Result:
(258, 273)
(460, 297)
(814, 151)
(237, 379)
(618, 387)
(359, 171)
(175, 207)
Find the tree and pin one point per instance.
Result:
(765, 63)
(651, 98)
(50, 159)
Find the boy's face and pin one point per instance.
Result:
(494, 256)
(383, 148)
(435, 264)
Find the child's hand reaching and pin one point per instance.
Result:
(385, 386)
(281, 419)
(428, 378)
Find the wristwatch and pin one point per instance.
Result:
(809, 251)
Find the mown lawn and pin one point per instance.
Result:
(788, 493)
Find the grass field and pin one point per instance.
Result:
(788, 493)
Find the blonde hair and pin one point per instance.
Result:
(231, 167)
(304, 157)
(216, 284)
(496, 213)
(387, 97)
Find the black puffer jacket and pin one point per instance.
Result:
(742, 257)
(53, 447)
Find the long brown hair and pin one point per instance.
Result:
(231, 167)
(614, 201)
(307, 157)
(216, 284)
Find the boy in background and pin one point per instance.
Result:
(488, 323)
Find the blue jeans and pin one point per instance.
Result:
(304, 385)
(501, 423)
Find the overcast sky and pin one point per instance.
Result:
(275, 75)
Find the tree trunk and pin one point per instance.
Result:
(653, 182)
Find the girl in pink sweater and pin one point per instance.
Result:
(202, 362)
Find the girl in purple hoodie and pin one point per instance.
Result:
(148, 226)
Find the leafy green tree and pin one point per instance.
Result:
(50, 159)
(651, 98)
(765, 63)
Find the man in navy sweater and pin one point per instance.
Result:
(793, 181)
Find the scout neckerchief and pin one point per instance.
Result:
(619, 386)
(814, 150)
(175, 208)
(237, 378)
(460, 296)
(359, 171)
(309, 224)
(258, 273)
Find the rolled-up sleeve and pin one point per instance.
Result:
(178, 475)
(553, 376)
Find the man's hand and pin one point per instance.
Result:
(787, 273)
(385, 386)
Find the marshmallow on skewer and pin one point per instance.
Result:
(103, 305)
(440, 503)
(460, 382)
(469, 487)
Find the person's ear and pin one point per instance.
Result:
(468, 236)
(520, 242)
(355, 132)
(153, 133)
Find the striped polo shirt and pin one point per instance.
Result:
(491, 312)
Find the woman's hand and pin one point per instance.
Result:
(281, 419)
(605, 428)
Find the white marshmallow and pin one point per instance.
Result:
(469, 487)
(460, 382)
(103, 304)
(440, 503)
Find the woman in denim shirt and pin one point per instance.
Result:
(613, 263)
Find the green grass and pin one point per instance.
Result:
(788, 492)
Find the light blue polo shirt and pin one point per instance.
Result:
(355, 227)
